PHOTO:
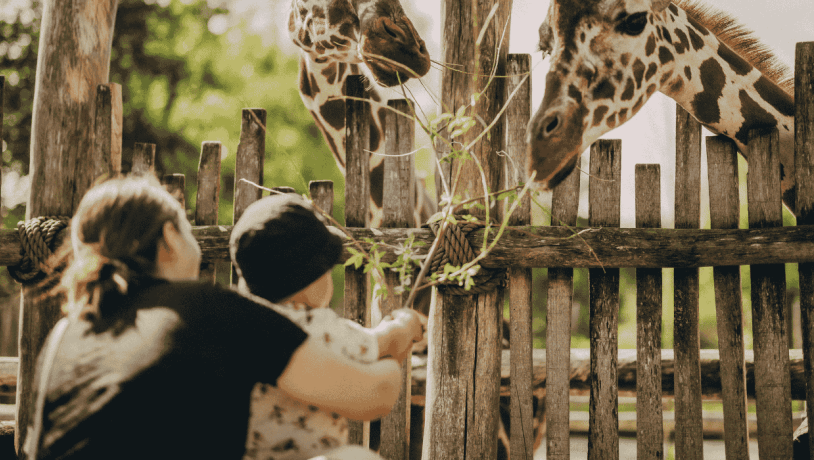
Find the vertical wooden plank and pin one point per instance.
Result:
(357, 197)
(9, 313)
(518, 114)
(208, 196)
(398, 213)
(689, 428)
(106, 151)
(564, 208)
(322, 195)
(804, 162)
(769, 327)
(69, 67)
(176, 185)
(468, 41)
(143, 159)
(649, 421)
(604, 211)
(724, 207)
(249, 161)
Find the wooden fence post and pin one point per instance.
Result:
(724, 207)
(398, 207)
(208, 196)
(461, 418)
(143, 159)
(71, 64)
(649, 421)
(518, 115)
(804, 169)
(564, 211)
(249, 161)
(357, 197)
(604, 211)
(322, 195)
(769, 326)
(9, 316)
(689, 428)
(175, 184)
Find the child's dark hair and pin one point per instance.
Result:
(115, 236)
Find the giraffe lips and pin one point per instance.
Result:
(386, 74)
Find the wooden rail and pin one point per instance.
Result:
(531, 246)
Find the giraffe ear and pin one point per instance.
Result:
(546, 37)
(660, 5)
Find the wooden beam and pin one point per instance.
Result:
(529, 247)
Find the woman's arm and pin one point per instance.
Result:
(332, 382)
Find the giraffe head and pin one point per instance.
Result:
(376, 32)
(607, 58)
(390, 44)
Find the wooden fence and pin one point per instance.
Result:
(772, 378)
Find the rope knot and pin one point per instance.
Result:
(455, 250)
(38, 238)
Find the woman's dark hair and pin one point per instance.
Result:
(115, 236)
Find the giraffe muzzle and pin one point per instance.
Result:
(554, 142)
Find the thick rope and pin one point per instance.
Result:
(456, 250)
(38, 240)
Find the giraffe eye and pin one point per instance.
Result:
(633, 24)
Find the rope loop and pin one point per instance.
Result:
(455, 250)
(38, 238)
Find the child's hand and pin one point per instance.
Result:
(397, 332)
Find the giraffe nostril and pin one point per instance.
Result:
(552, 125)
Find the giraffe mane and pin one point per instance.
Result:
(741, 40)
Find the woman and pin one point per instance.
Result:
(153, 364)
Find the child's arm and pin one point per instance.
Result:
(317, 376)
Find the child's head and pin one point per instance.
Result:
(281, 246)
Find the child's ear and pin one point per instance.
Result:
(172, 240)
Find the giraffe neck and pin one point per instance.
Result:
(723, 91)
(322, 91)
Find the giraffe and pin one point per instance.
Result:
(609, 56)
(338, 38)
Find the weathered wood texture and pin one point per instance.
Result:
(208, 196)
(689, 437)
(398, 209)
(604, 210)
(518, 113)
(10, 312)
(528, 247)
(724, 204)
(175, 184)
(357, 193)
(249, 160)
(249, 164)
(143, 161)
(472, 344)
(107, 144)
(322, 195)
(804, 170)
(649, 426)
(71, 64)
(769, 327)
(564, 207)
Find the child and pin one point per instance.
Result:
(284, 253)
